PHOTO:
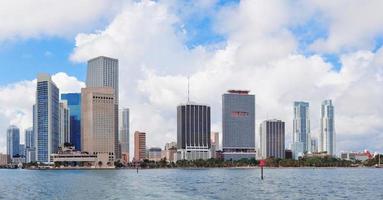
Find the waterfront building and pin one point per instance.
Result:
(170, 152)
(155, 154)
(4, 159)
(272, 139)
(47, 118)
(97, 121)
(214, 144)
(288, 154)
(297, 149)
(81, 159)
(353, 156)
(29, 138)
(104, 72)
(238, 125)
(30, 153)
(139, 146)
(327, 134)
(193, 132)
(13, 141)
(124, 135)
(314, 145)
(74, 104)
(64, 125)
(301, 127)
(22, 150)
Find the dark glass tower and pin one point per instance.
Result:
(74, 104)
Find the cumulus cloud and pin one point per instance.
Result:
(260, 55)
(25, 19)
(17, 99)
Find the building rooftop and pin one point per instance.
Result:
(240, 92)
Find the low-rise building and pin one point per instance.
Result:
(360, 156)
(67, 156)
(4, 158)
(155, 154)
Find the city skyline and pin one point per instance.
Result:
(214, 49)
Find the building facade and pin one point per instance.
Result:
(13, 141)
(139, 146)
(314, 145)
(238, 125)
(327, 134)
(124, 134)
(98, 121)
(155, 154)
(74, 104)
(104, 72)
(47, 118)
(30, 153)
(272, 139)
(193, 132)
(301, 126)
(64, 125)
(214, 144)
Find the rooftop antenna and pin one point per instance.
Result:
(188, 89)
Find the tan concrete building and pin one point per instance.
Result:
(139, 146)
(98, 125)
(4, 158)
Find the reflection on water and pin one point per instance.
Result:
(201, 184)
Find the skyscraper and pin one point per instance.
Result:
(327, 134)
(74, 104)
(29, 138)
(124, 134)
(139, 146)
(64, 125)
(13, 141)
(314, 145)
(214, 144)
(30, 153)
(98, 121)
(47, 118)
(301, 125)
(238, 125)
(103, 72)
(272, 139)
(193, 131)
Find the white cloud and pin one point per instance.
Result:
(352, 24)
(25, 19)
(17, 99)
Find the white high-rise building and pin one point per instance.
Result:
(46, 118)
(301, 125)
(103, 72)
(124, 134)
(64, 123)
(327, 134)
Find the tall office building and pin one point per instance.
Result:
(139, 146)
(30, 153)
(327, 135)
(272, 139)
(47, 118)
(301, 126)
(103, 72)
(214, 144)
(22, 150)
(74, 105)
(98, 121)
(238, 125)
(29, 138)
(13, 141)
(193, 131)
(314, 145)
(64, 124)
(124, 134)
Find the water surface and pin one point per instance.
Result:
(286, 183)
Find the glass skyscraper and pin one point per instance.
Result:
(301, 126)
(74, 104)
(47, 118)
(124, 134)
(327, 134)
(238, 125)
(13, 141)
